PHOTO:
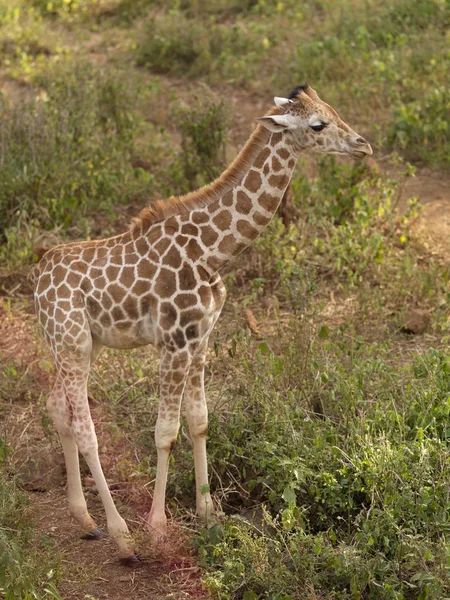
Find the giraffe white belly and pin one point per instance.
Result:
(134, 335)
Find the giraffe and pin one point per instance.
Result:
(159, 283)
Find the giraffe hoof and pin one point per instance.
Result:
(95, 534)
(130, 561)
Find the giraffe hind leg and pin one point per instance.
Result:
(75, 385)
(60, 413)
(73, 352)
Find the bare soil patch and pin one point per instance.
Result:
(433, 224)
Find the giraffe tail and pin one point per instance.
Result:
(40, 251)
(33, 275)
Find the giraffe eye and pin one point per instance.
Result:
(318, 127)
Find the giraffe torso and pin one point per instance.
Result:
(133, 290)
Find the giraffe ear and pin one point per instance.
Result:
(280, 102)
(277, 123)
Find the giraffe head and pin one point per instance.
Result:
(314, 125)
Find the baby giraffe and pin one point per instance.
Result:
(159, 284)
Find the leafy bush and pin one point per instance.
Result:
(204, 128)
(348, 228)
(24, 41)
(358, 497)
(421, 129)
(178, 45)
(61, 7)
(66, 153)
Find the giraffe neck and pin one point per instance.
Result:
(239, 216)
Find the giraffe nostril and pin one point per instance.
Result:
(361, 140)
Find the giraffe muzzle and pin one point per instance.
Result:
(362, 148)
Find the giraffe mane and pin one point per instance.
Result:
(176, 205)
(297, 90)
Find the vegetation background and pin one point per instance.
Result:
(329, 374)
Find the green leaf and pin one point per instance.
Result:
(264, 348)
(324, 332)
(289, 494)
(428, 555)
(215, 534)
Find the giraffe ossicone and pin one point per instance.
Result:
(159, 283)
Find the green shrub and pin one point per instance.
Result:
(203, 126)
(62, 7)
(358, 497)
(24, 40)
(66, 153)
(348, 228)
(178, 45)
(421, 129)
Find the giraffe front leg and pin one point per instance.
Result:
(173, 373)
(197, 418)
